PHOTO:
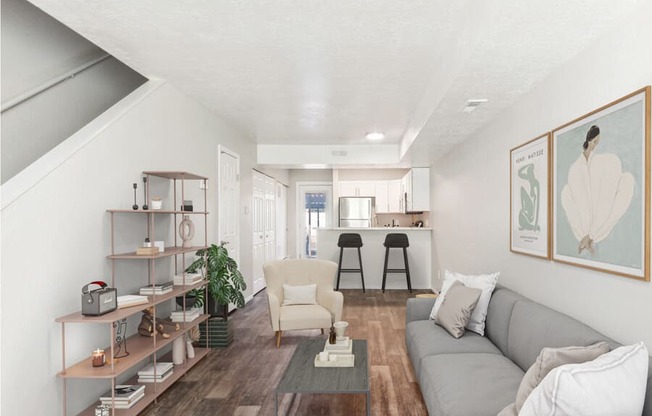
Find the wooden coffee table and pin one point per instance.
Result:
(301, 375)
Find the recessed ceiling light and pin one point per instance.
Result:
(375, 136)
(471, 105)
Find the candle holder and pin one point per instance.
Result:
(145, 207)
(98, 358)
(135, 206)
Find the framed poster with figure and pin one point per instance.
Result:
(529, 197)
(600, 188)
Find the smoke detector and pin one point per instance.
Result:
(471, 105)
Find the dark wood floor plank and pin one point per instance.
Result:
(241, 379)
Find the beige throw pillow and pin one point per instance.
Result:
(299, 295)
(548, 360)
(455, 311)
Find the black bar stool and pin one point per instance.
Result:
(349, 240)
(397, 241)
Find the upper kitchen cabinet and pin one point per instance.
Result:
(389, 197)
(357, 188)
(416, 188)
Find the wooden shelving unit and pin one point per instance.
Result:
(140, 348)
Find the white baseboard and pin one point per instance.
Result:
(248, 299)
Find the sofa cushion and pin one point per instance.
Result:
(499, 314)
(612, 384)
(468, 384)
(424, 338)
(533, 327)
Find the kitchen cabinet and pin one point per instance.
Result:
(358, 188)
(417, 190)
(388, 197)
(394, 196)
(388, 194)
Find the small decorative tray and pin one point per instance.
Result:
(343, 360)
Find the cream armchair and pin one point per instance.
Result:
(297, 272)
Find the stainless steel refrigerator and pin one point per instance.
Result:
(356, 212)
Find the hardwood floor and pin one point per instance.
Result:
(241, 379)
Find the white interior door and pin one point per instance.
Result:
(281, 221)
(270, 219)
(314, 210)
(228, 196)
(258, 218)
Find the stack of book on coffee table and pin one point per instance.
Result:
(343, 346)
(163, 371)
(125, 396)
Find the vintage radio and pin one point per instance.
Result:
(97, 302)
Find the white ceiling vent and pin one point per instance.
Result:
(338, 152)
(471, 105)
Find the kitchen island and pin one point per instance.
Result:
(373, 256)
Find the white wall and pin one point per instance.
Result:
(471, 189)
(56, 235)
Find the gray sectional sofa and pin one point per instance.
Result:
(479, 376)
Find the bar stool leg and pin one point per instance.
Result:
(339, 269)
(361, 272)
(407, 269)
(385, 268)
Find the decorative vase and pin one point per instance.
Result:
(178, 351)
(340, 329)
(190, 350)
(186, 231)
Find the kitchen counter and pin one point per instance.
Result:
(373, 256)
(388, 229)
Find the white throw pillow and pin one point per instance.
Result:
(484, 282)
(299, 295)
(612, 384)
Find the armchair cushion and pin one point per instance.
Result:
(299, 294)
(304, 316)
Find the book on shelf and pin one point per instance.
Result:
(154, 292)
(126, 301)
(157, 379)
(190, 278)
(190, 315)
(157, 289)
(124, 404)
(161, 367)
(124, 392)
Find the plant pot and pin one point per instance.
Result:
(215, 309)
(190, 301)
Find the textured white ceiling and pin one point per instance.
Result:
(326, 72)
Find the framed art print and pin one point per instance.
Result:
(601, 181)
(529, 197)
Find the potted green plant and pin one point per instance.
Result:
(225, 282)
